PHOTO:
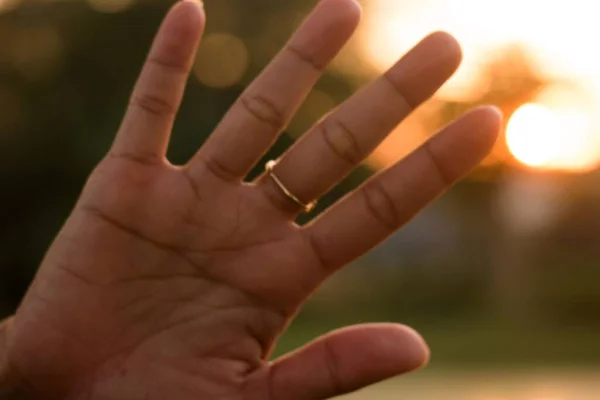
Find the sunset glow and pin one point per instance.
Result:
(559, 37)
(539, 136)
(560, 131)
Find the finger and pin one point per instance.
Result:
(256, 119)
(145, 130)
(336, 145)
(373, 212)
(347, 360)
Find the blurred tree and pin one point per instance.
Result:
(511, 81)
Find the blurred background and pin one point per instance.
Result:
(502, 275)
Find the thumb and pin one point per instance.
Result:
(347, 360)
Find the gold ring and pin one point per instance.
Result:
(307, 207)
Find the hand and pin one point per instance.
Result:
(174, 282)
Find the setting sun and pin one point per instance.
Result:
(557, 129)
(557, 139)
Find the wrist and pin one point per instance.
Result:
(9, 387)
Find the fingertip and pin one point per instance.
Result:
(447, 44)
(488, 123)
(406, 344)
(179, 34)
(189, 14)
(422, 352)
(426, 67)
(494, 115)
(342, 4)
(395, 348)
(354, 10)
(198, 4)
(326, 30)
(464, 143)
(348, 12)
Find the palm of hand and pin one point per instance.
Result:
(146, 262)
(175, 282)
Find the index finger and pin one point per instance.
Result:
(386, 202)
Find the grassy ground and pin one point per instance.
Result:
(480, 360)
(526, 384)
(476, 344)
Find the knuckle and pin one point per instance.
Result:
(140, 158)
(401, 92)
(336, 382)
(318, 248)
(306, 58)
(168, 66)
(342, 141)
(436, 167)
(381, 206)
(153, 104)
(264, 110)
(219, 169)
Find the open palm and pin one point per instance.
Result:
(174, 282)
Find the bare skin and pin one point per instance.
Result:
(174, 282)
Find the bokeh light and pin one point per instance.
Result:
(317, 104)
(222, 60)
(7, 5)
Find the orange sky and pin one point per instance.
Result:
(561, 38)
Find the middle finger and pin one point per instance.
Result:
(338, 143)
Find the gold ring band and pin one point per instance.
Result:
(306, 207)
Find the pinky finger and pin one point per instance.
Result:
(156, 98)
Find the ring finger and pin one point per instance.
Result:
(339, 142)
